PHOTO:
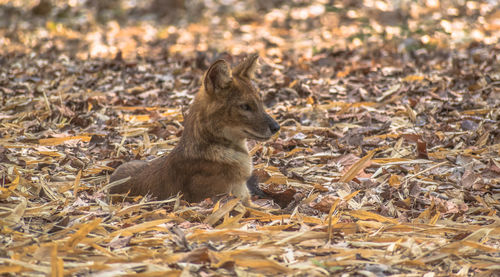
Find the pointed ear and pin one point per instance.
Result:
(218, 76)
(247, 67)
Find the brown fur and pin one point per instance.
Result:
(212, 157)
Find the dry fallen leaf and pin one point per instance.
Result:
(84, 88)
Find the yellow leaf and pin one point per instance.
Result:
(139, 227)
(478, 111)
(12, 186)
(214, 217)
(278, 179)
(395, 181)
(96, 170)
(386, 136)
(350, 196)
(356, 168)
(50, 153)
(435, 218)
(364, 215)
(293, 151)
(51, 26)
(413, 78)
(11, 269)
(136, 117)
(231, 222)
(342, 74)
(35, 161)
(57, 141)
(344, 109)
(331, 220)
(4, 193)
(216, 207)
(57, 267)
(333, 104)
(82, 232)
(223, 235)
(364, 225)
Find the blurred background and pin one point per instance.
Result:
(86, 29)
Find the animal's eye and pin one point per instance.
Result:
(245, 107)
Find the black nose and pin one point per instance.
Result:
(273, 125)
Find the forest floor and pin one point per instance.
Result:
(387, 162)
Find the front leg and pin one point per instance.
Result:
(241, 191)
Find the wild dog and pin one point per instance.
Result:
(211, 157)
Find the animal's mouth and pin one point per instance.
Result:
(254, 136)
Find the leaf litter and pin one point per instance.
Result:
(387, 162)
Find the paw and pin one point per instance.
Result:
(266, 207)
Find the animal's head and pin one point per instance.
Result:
(233, 104)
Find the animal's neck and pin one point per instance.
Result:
(204, 139)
